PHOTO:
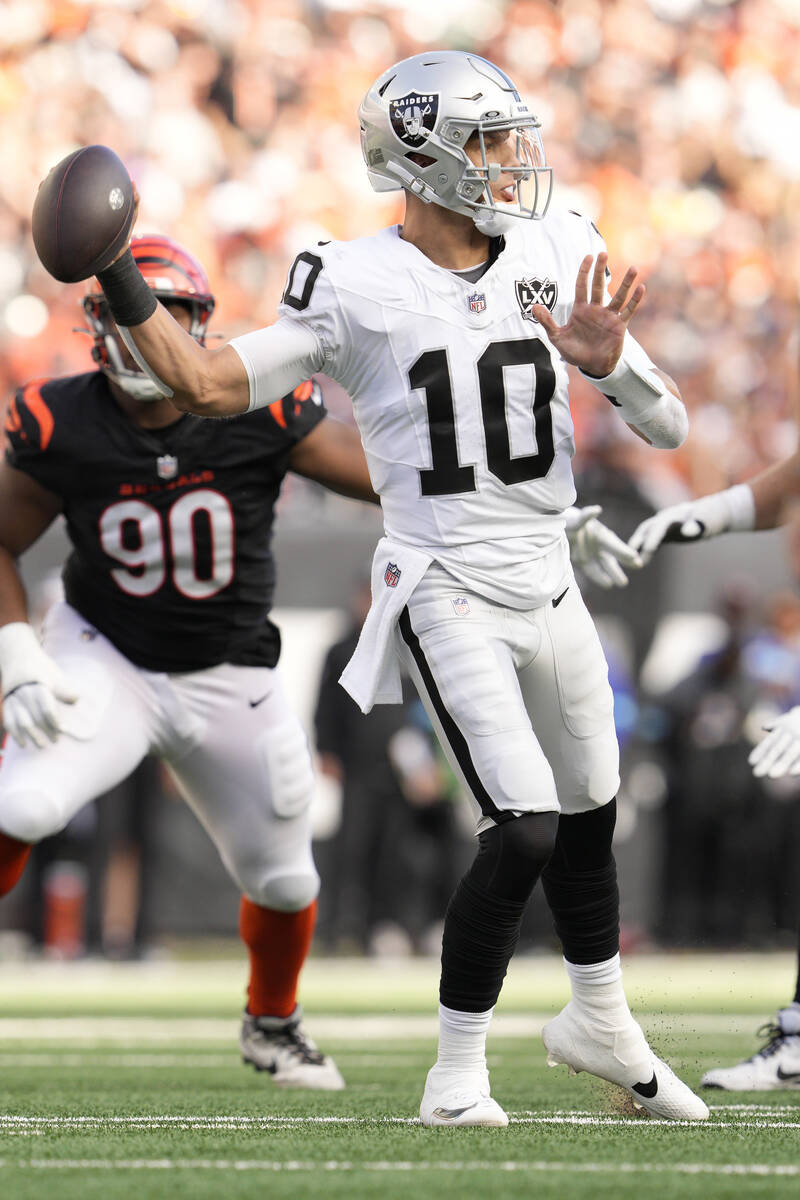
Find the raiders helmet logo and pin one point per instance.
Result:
(535, 291)
(413, 117)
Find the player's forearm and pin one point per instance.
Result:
(13, 603)
(333, 456)
(773, 489)
(647, 399)
(210, 383)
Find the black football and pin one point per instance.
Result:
(82, 214)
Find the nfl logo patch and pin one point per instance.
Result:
(477, 302)
(461, 605)
(391, 576)
(167, 466)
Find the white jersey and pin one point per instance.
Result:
(461, 400)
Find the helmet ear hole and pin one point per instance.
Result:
(421, 160)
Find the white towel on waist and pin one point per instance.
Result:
(373, 674)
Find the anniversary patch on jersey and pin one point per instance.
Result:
(532, 291)
(414, 117)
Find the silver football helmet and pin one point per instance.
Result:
(417, 118)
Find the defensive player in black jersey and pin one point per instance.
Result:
(164, 643)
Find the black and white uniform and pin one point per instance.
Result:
(165, 631)
(463, 407)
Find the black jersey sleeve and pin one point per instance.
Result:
(297, 413)
(29, 434)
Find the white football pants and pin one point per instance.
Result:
(229, 739)
(520, 700)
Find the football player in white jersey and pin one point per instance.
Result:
(766, 501)
(452, 335)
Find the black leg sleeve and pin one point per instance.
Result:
(580, 883)
(797, 986)
(482, 922)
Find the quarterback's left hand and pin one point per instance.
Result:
(597, 550)
(592, 337)
(779, 753)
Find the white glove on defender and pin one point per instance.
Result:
(596, 549)
(32, 686)
(779, 753)
(723, 512)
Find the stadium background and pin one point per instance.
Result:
(675, 125)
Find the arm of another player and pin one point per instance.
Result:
(758, 504)
(594, 340)
(32, 683)
(332, 454)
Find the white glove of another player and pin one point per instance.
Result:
(779, 753)
(723, 512)
(32, 686)
(597, 550)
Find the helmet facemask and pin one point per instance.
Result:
(532, 178)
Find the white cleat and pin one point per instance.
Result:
(281, 1046)
(622, 1056)
(454, 1097)
(775, 1066)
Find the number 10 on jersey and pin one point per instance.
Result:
(431, 374)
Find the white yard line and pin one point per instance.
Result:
(10, 1123)
(180, 1030)
(229, 1164)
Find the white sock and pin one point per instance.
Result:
(598, 985)
(789, 1019)
(462, 1038)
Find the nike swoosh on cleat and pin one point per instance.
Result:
(255, 703)
(558, 599)
(786, 1075)
(452, 1114)
(648, 1090)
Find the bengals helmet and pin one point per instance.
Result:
(176, 277)
(417, 118)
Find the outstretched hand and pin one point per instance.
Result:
(592, 337)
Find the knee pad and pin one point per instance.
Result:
(30, 814)
(511, 856)
(288, 762)
(285, 892)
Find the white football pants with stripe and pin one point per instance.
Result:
(227, 735)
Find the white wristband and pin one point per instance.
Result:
(741, 506)
(631, 389)
(645, 401)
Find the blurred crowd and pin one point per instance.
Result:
(673, 123)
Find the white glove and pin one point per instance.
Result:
(779, 753)
(596, 549)
(729, 511)
(33, 684)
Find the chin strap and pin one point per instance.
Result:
(163, 388)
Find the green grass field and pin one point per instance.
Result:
(124, 1081)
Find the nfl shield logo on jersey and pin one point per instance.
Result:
(535, 291)
(477, 302)
(167, 466)
(461, 606)
(413, 117)
(391, 576)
